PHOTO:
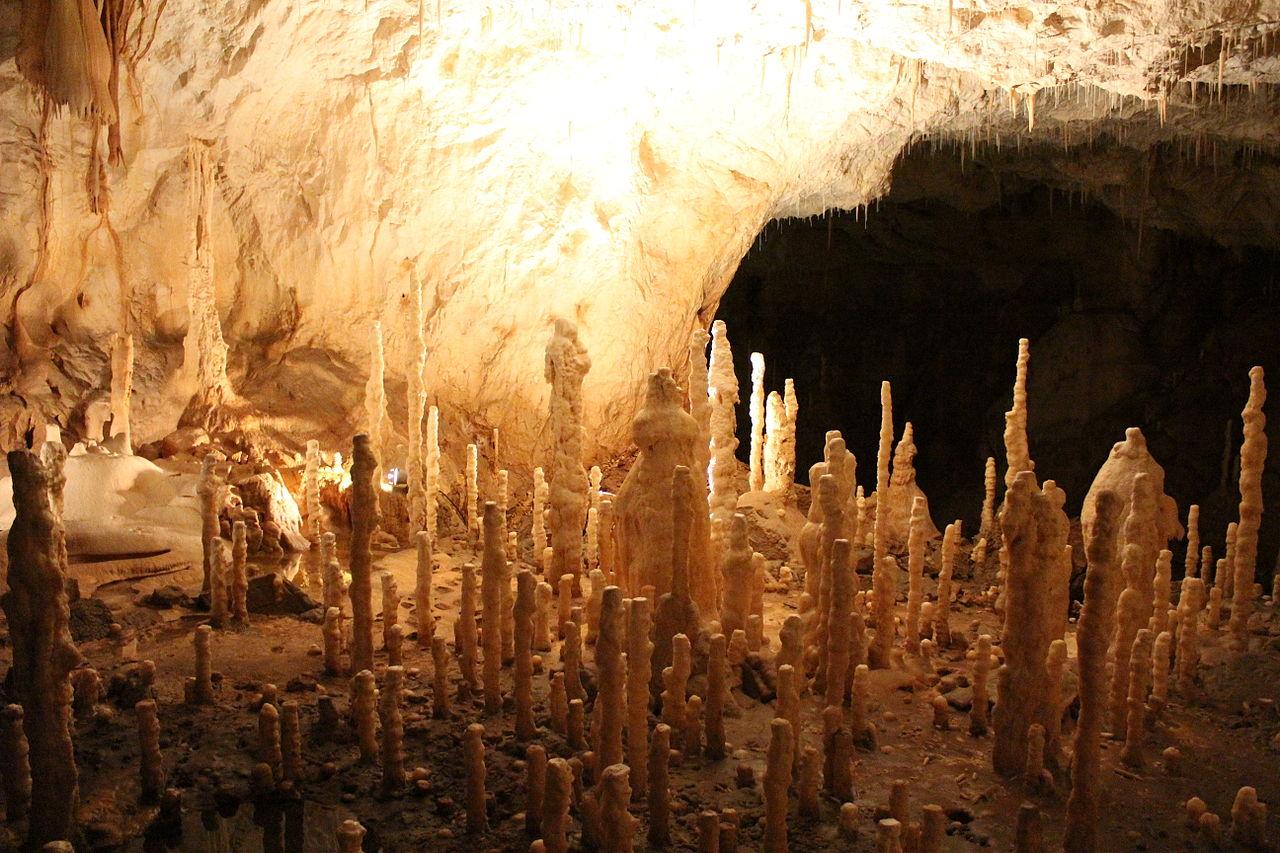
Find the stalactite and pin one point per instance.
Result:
(1092, 636)
(364, 520)
(566, 365)
(1253, 456)
(43, 653)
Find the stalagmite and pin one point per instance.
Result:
(471, 494)
(787, 441)
(756, 410)
(390, 606)
(422, 590)
(43, 653)
(1160, 652)
(571, 655)
(615, 797)
(1253, 457)
(978, 720)
(473, 762)
(594, 600)
(1135, 731)
(364, 711)
(1035, 532)
(639, 653)
(593, 540)
(946, 566)
(608, 545)
(364, 520)
(331, 574)
(465, 627)
(1055, 664)
(431, 473)
(676, 613)
(1188, 652)
(542, 617)
(558, 703)
(659, 794)
(121, 390)
(577, 725)
(290, 743)
(933, 828)
(564, 603)
(736, 571)
(14, 765)
(312, 508)
(1228, 578)
(525, 606)
(915, 573)
(837, 743)
(1248, 815)
(1207, 563)
(150, 759)
(838, 635)
(708, 832)
(789, 707)
(882, 617)
(392, 723)
(1028, 836)
(777, 781)
(675, 680)
(350, 837)
(375, 398)
(986, 528)
(691, 742)
(439, 678)
(717, 692)
(1128, 620)
(1193, 542)
(1213, 611)
(667, 438)
(724, 397)
(1017, 451)
(566, 365)
(538, 513)
(775, 417)
(1092, 636)
(202, 690)
(493, 569)
(219, 586)
(209, 488)
(1162, 590)
(888, 836)
(239, 583)
(611, 677)
(269, 751)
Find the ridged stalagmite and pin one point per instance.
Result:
(1253, 457)
(565, 367)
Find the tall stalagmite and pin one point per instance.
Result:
(375, 397)
(724, 441)
(417, 407)
(1016, 449)
(1092, 638)
(883, 621)
(122, 390)
(43, 653)
(364, 520)
(1253, 457)
(566, 365)
(1035, 531)
(493, 568)
(756, 476)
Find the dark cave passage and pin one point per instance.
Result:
(1129, 326)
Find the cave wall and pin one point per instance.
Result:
(1130, 324)
(610, 164)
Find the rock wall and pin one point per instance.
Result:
(605, 163)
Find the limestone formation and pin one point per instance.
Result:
(150, 759)
(202, 691)
(675, 680)
(777, 781)
(717, 694)
(493, 570)
(390, 607)
(1190, 566)
(915, 573)
(1028, 836)
(1162, 589)
(946, 567)
(1157, 521)
(1248, 815)
(439, 678)
(787, 442)
(838, 633)
(364, 712)
(882, 620)
(1055, 664)
(392, 725)
(364, 520)
(471, 492)
(577, 726)
(667, 438)
(219, 587)
(1092, 636)
(15, 768)
(885, 593)
(1188, 650)
(375, 399)
(43, 653)
(615, 796)
(611, 677)
(465, 627)
(986, 527)
(755, 481)
(676, 611)
(978, 716)
(691, 739)
(122, 390)
(595, 598)
(837, 744)
(639, 654)
(1016, 449)
(774, 417)
(736, 573)
(473, 762)
(291, 743)
(558, 702)
(431, 473)
(1160, 652)
(1227, 579)
(542, 617)
(209, 489)
(421, 590)
(525, 606)
(1253, 457)
(659, 793)
(350, 836)
(566, 365)
(1035, 533)
(1135, 730)
(571, 656)
(724, 397)
(269, 751)
(608, 545)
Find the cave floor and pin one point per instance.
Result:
(1229, 735)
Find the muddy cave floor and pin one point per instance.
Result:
(1229, 735)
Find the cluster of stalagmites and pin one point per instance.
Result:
(638, 664)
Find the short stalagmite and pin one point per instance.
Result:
(202, 689)
(676, 613)
(239, 582)
(915, 573)
(392, 726)
(364, 713)
(1135, 730)
(639, 654)
(675, 680)
(15, 768)
(364, 520)
(659, 793)
(422, 590)
(777, 782)
(565, 367)
(493, 569)
(838, 634)
(150, 759)
(269, 751)
(525, 606)
(473, 763)
(1253, 457)
(471, 492)
(1055, 665)
(1188, 650)
(735, 570)
(43, 653)
(390, 607)
(440, 708)
(290, 743)
(986, 527)
(571, 656)
(465, 628)
(538, 514)
(717, 694)
(611, 677)
(946, 567)
(616, 822)
(1092, 636)
(979, 722)
(1035, 532)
